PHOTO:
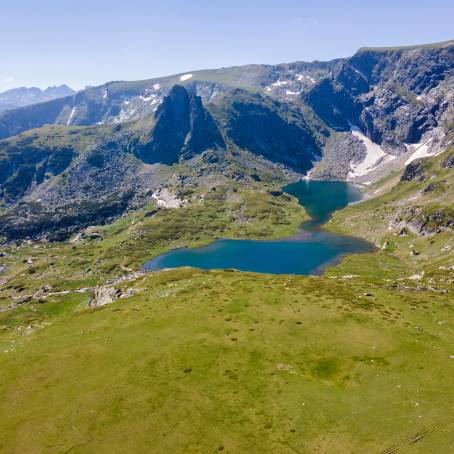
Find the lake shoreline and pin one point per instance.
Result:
(308, 252)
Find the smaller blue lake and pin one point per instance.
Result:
(308, 252)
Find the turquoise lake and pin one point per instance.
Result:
(308, 252)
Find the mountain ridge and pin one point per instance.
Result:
(24, 96)
(353, 119)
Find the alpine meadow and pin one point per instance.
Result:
(248, 259)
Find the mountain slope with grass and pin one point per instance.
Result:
(57, 179)
(189, 360)
(97, 355)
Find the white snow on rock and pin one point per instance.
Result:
(147, 98)
(301, 77)
(185, 77)
(156, 86)
(420, 150)
(375, 156)
(279, 83)
(290, 93)
(104, 93)
(357, 71)
(71, 115)
(124, 115)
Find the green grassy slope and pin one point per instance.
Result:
(230, 211)
(359, 360)
(211, 361)
(412, 223)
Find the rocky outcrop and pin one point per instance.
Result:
(394, 95)
(414, 171)
(342, 151)
(183, 129)
(448, 162)
(264, 128)
(104, 295)
(423, 223)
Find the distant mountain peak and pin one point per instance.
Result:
(26, 96)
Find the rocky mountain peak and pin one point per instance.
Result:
(183, 128)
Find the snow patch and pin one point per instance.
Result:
(104, 94)
(420, 150)
(357, 71)
(279, 83)
(151, 97)
(291, 93)
(301, 77)
(156, 86)
(124, 115)
(71, 115)
(185, 77)
(375, 156)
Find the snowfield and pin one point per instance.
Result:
(375, 156)
(279, 83)
(420, 150)
(71, 115)
(301, 77)
(185, 77)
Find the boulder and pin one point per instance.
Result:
(104, 295)
(414, 171)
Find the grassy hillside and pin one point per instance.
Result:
(412, 222)
(359, 360)
(111, 250)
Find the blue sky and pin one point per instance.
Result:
(82, 42)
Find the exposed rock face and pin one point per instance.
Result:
(424, 223)
(183, 129)
(104, 295)
(256, 124)
(394, 95)
(340, 152)
(414, 171)
(448, 163)
(334, 104)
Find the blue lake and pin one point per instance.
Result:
(307, 252)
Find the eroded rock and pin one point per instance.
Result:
(104, 295)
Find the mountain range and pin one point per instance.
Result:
(99, 353)
(23, 96)
(113, 146)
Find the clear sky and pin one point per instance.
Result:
(81, 42)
